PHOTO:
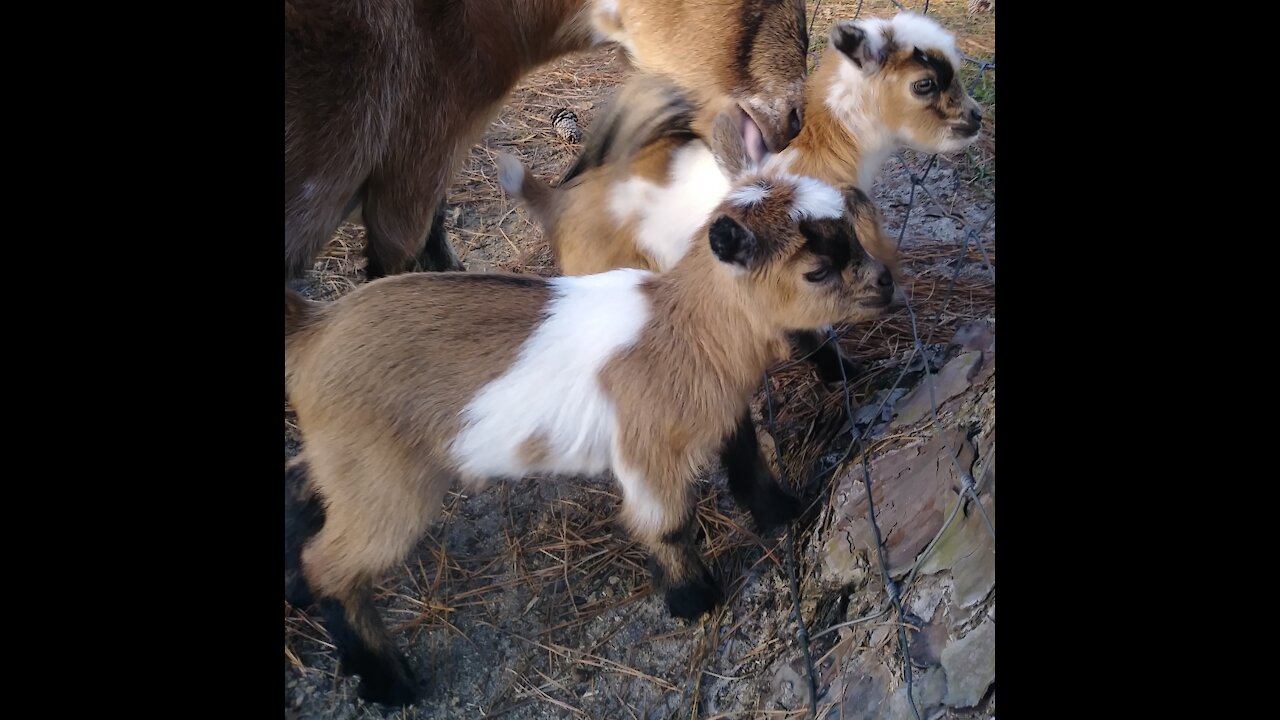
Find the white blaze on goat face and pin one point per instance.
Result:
(915, 30)
(815, 200)
(812, 198)
(668, 216)
(552, 395)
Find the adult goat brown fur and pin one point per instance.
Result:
(639, 373)
(382, 97)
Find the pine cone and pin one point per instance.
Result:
(565, 122)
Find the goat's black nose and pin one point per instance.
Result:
(976, 115)
(885, 280)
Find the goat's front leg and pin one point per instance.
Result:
(660, 510)
(826, 357)
(752, 481)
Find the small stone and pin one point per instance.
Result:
(927, 688)
(613, 580)
(926, 644)
(924, 600)
(970, 664)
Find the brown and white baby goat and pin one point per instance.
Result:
(889, 84)
(413, 382)
(382, 97)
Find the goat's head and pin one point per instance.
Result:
(906, 67)
(749, 52)
(799, 247)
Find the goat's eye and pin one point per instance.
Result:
(923, 87)
(817, 275)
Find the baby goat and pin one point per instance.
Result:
(383, 97)
(636, 199)
(413, 382)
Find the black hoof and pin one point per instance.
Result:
(689, 601)
(829, 367)
(772, 507)
(392, 686)
(391, 693)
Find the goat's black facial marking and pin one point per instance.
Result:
(940, 67)
(831, 241)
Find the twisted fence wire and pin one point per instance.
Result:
(894, 592)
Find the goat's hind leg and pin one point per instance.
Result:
(437, 254)
(373, 519)
(752, 482)
(405, 223)
(365, 648)
(303, 518)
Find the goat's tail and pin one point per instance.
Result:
(536, 195)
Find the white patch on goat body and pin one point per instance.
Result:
(668, 216)
(551, 394)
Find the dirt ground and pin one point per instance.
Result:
(528, 600)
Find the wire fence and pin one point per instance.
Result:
(894, 591)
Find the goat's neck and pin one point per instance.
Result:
(842, 141)
(713, 325)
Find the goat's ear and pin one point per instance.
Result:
(865, 49)
(732, 243)
(736, 141)
(867, 225)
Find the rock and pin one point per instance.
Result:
(967, 548)
(862, 693)
(954, 378)
(925, 596)
(914, 488)
(788, 688)
(927, 643)
(927, 687)
(967, 360)
(970, 665)
(878, 411)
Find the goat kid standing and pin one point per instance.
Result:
(413, 382)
